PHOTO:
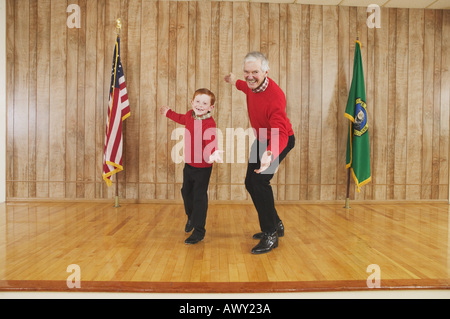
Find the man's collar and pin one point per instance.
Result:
(262, 87)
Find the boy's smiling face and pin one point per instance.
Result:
(201, 104)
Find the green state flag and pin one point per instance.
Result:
(358, 150)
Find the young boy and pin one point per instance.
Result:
(200, 153)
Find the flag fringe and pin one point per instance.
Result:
(359, 184)
(106, 176)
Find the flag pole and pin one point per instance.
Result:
(347, 199)
(116, 201)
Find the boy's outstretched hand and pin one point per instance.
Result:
(163, 110)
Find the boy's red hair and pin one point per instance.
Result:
(206, 92)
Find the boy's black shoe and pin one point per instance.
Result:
(194, 239)
(280, 232)
(189, 226)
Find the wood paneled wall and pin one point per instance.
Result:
(58, 83)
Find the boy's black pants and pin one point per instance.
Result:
(195, 195)
(258, 185)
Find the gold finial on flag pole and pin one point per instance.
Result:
(357, 39)
(118, 25)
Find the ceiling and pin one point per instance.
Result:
(425, 4)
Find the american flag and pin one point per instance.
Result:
(118, 111)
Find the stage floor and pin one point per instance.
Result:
(140, 248)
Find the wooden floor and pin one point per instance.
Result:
(140, 248)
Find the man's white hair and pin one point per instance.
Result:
(257, 56)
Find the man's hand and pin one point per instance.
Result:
(230, 78)
(266, 160)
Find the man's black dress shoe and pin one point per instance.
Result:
(269, 242)
(280, 232)
(194, 239)
(189, 226)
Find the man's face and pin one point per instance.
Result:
(253, 74)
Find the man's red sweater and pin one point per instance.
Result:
(267, 113)
(199, 138)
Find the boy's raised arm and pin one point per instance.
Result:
(163, 110)
(179, 118)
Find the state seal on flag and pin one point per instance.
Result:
(360, 127)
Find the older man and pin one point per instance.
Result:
(266, 104)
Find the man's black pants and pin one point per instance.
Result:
(195, 195)
(258, 185)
